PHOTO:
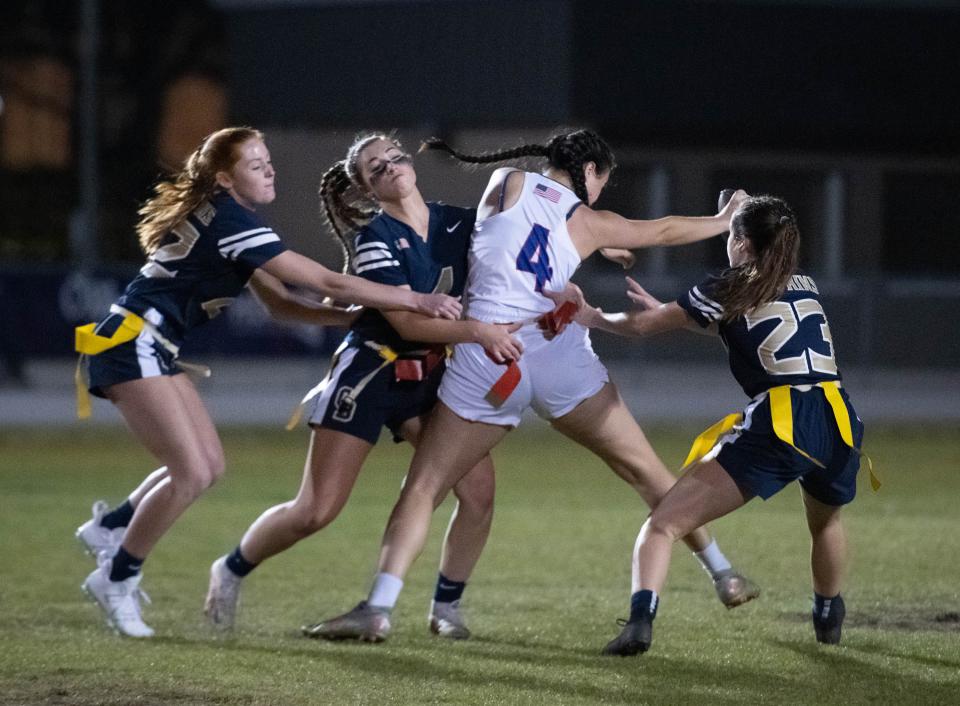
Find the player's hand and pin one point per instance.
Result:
(439, 306)
(568, 302)
(625, 258)
(739, 196)
(640, 296)
(499, 345)
(570, 293)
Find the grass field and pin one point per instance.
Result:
(542, 602)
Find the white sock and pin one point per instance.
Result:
(712, 559)
(385, 590)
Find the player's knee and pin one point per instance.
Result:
(425, 484)
(667, 525)
(191, 485)
(475, 501)
(825, 524)
(307, 518)
(318, 519)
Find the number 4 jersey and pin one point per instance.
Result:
(783, 342)
(201, 266)
(517, 253)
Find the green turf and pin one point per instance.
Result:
(542, 602)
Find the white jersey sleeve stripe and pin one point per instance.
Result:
(361, 258)
(707, 300)
(235, 249)
(240, 236)
(374, 244)
(710, 309)
(376, 265)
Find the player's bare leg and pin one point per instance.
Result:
(604, 425)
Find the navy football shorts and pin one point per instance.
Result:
(383, 402)
(761, 464)
(142, 357)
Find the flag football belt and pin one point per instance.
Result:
(88, 342)
(781, 415)
(552, 321)
(408, 366)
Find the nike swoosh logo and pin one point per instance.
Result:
(454, 226)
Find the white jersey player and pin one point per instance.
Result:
(516, 254)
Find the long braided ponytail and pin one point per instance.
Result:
(346, 205)
(568, 151)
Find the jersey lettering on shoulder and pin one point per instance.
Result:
(390, 252)
(783, 342)
(202, 265)
(518, 253)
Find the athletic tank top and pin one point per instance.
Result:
(518, 253)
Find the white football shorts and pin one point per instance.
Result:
(556, 376)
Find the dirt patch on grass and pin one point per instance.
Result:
(919, 619)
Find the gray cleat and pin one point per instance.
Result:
(734, 589)
(446, 620)
(365, 622)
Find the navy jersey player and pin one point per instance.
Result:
(384, 374)
(204, 243)
(799, 425)
(532, 232)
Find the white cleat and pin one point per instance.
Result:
(119, 600)
(223, 596)
(446, 620)
(97, 539)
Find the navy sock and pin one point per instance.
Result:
(119, 516)
(643, 606)
(448, 591)
(124, 565)
(827, 609)
(238, 565)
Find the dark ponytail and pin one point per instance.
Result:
(568, 151)
(771, 227)
(485, 158)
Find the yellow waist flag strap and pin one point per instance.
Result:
(87, 342)
(386, 352)
(708, 439)
(781, 414)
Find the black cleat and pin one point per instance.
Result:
(828, 629)
(633, 639)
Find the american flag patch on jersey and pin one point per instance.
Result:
(547, 193)
(402, 244)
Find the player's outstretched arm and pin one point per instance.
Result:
(611, 230)
(285, 305)
(296, 269)
(652, 316)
